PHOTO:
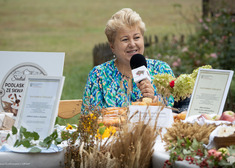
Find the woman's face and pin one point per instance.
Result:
(128, 42)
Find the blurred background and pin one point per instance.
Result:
(184, 33)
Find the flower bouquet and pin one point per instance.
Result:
(180, 88)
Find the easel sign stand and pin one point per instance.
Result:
(210, 92)
(16, 65)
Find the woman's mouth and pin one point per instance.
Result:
(132, 52)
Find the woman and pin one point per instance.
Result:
(110, 84)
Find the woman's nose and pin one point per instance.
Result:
(131, 43)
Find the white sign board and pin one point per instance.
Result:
(40, 103)
(210, 92)
(165, 118)
(15, 66)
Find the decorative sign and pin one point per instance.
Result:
(15, 66)
(40, 103)
(165, 118)
(210, 92)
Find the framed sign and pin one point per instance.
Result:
(16, 65)
(210, 92)
(164, 120)
(39, 107)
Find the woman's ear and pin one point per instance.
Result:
(111, 46)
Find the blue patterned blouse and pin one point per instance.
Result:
(106, 86)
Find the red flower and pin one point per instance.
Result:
(172, 83)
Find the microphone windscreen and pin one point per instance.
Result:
(137, 60)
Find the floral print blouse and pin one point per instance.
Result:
(107, 87)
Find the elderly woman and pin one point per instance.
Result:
(111, 84)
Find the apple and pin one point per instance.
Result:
(216, 117)
(211, 152)
(206, 116)
(223, 150)
(228, 116)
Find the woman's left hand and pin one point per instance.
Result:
(146, 88)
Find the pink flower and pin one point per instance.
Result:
(205, 26)
(216, 154)
(175, 64)
(185, 49)
(172, 83)
(200, 20)
(213, 55)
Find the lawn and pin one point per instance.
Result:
(76, 26)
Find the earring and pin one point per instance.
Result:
(114, 56)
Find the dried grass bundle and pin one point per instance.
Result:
(131, 147)
(188, 130)
(97, 159)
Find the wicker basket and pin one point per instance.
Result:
(224, 141)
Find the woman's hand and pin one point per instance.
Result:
(146, 89)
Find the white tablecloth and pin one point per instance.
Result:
(56, 160)
(26, 160)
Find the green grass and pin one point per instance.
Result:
(75, 26)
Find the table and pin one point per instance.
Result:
(56, 160)
(26, 160)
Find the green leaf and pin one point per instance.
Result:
(14, 130)
(42, 144)
(101, 130)
(17, 143)
(48, 145)
(58, 140)
(27, 134)
(74, 127)
(47, 139)
(186, 152)
(26, 143)
(195, 144)
(8, 135)
(188, 141)
(35, 136)
(35, 150)
(101, 124)
(22, 129)
(54, 135)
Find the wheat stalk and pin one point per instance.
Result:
(131, 147)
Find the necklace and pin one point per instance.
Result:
(128, 78)
(121, 70)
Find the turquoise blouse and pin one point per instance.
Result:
(106, 86)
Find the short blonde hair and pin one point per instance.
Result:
(126, 17)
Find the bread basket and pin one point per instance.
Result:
(224, 141)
